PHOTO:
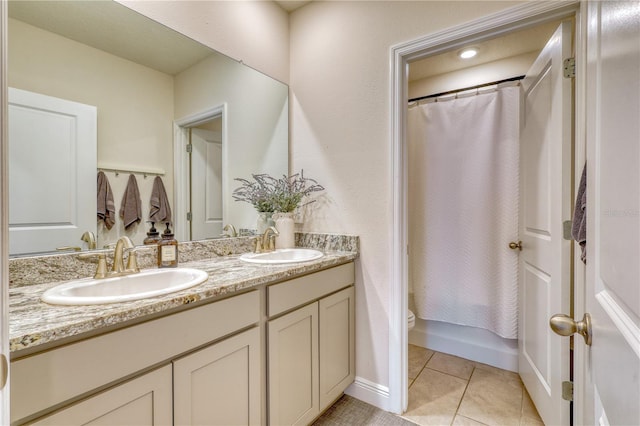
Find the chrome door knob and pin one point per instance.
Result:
(564, 325)
(513, 245)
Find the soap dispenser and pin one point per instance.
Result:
(167, 250)
(153, 236)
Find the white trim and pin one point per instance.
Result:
(181, 165)
(369, 392)
(627, 327)
(515, 18)
(4, 214)
(581, 394)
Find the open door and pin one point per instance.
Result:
(545, 197)
(612, 376)
(206, 184)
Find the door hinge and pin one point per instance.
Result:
(189, 216)
(566, 230)
(569, 67)
(567, 391)
(189, 148)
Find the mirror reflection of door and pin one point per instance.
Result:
(205, 179)
(52, 172)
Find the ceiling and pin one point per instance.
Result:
(113, 28)
(513, 44)
(291, 5)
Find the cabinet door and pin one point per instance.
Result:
(220, 384)
(337, 345)
(145, 400)
(293, 367)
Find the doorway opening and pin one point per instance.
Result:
(199, 152)
(500, 63)
(518, 18)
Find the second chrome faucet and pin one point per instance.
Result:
(267, 241)
(124, 244)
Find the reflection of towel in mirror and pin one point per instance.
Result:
(160, 211)
(106, 206)
(131, 206)
(579, 227)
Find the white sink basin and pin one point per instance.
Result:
(283, 256)
(149, 283)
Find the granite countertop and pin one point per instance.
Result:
(33, 322)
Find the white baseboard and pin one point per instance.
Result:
(466, 342)
(369, 392)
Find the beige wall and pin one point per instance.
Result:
(254, 32)
(256, 123)
(468, 77)
(135, 106)
(340, 55)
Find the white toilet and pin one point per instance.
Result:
(411, 320)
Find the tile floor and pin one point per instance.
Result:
(448, 390)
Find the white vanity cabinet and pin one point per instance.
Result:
(311, 340)
(143, 401)
(126, 369)
(219, 384)
(278, 353)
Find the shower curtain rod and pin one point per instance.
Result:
(451, 92)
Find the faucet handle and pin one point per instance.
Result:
(132, 260)
(259, 248)
(272, 242)
(101, 270)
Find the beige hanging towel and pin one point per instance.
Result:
(160, 211)
(131, 206)
(106, 206)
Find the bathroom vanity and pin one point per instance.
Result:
(254, 344)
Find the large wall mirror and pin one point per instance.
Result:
(96, 86)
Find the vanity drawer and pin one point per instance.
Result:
(299, 291)
(50, 378)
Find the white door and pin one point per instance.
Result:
(545, 197)
(206, 184)
(612, 295)
(52, 172)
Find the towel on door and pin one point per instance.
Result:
(131, 206)
(579, 226)
(160, 209)
(106, 206)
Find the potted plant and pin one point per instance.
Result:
(259, 193)
(277, 198)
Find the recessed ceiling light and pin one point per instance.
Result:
(468, 53)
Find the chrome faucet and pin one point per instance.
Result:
(230, 230)
(89, 238)
(124, 243)
(267, 242)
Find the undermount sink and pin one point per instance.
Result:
(148, 283)
(283, 256)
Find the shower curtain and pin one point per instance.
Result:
(463, 209)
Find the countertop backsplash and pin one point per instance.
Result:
(25, 271)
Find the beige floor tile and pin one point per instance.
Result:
(434, 398)
(418, 357)
(525, 421)
(464, 421)
(528, 408)
(509, 375)
(450, 364)
(492, 399)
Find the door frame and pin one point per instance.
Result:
(501, 23)
(4, 223)
(181, 169)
